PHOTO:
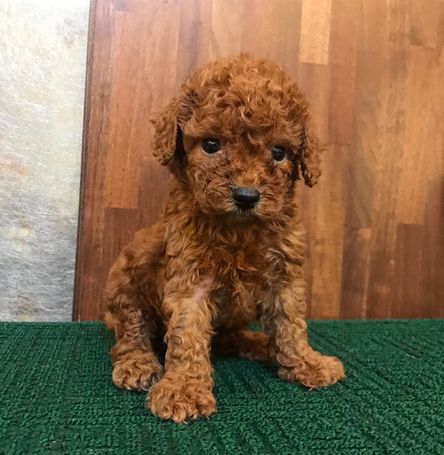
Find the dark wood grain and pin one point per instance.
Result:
(373, 72)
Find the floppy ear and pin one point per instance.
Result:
(166, 132)
(309, 157)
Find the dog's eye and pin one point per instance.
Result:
(279, 152)
(211, 145)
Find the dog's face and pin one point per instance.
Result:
(235, 167)
(237, 137)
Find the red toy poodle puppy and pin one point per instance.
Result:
(229, 247)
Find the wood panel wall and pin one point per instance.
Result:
(373, 72)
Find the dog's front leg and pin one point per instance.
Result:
(185, 391)
(297, 360)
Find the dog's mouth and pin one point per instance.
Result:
(243, 213)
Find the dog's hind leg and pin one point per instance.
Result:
(132, 299)
(135, 365)
(243, 343)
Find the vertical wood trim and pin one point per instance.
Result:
(83, 176)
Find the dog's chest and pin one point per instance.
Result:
(242, 283)
(235, 303)
(246, 260)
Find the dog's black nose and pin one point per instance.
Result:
(245, 198)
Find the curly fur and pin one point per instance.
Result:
(207, 270)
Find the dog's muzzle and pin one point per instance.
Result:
(245, 198)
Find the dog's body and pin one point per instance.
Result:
(229, 248)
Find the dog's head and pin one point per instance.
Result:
(238, 136)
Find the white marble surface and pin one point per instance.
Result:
(42, 79)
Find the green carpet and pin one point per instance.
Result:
(57, 397)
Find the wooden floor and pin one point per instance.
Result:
(373, 72)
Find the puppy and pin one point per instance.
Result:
(229, 247)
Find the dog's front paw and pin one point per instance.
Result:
(178, 398)
(314, 372)
(136, 372)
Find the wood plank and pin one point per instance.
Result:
(408, 281)
(315, 31)
(355, 273)
(432, 291)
